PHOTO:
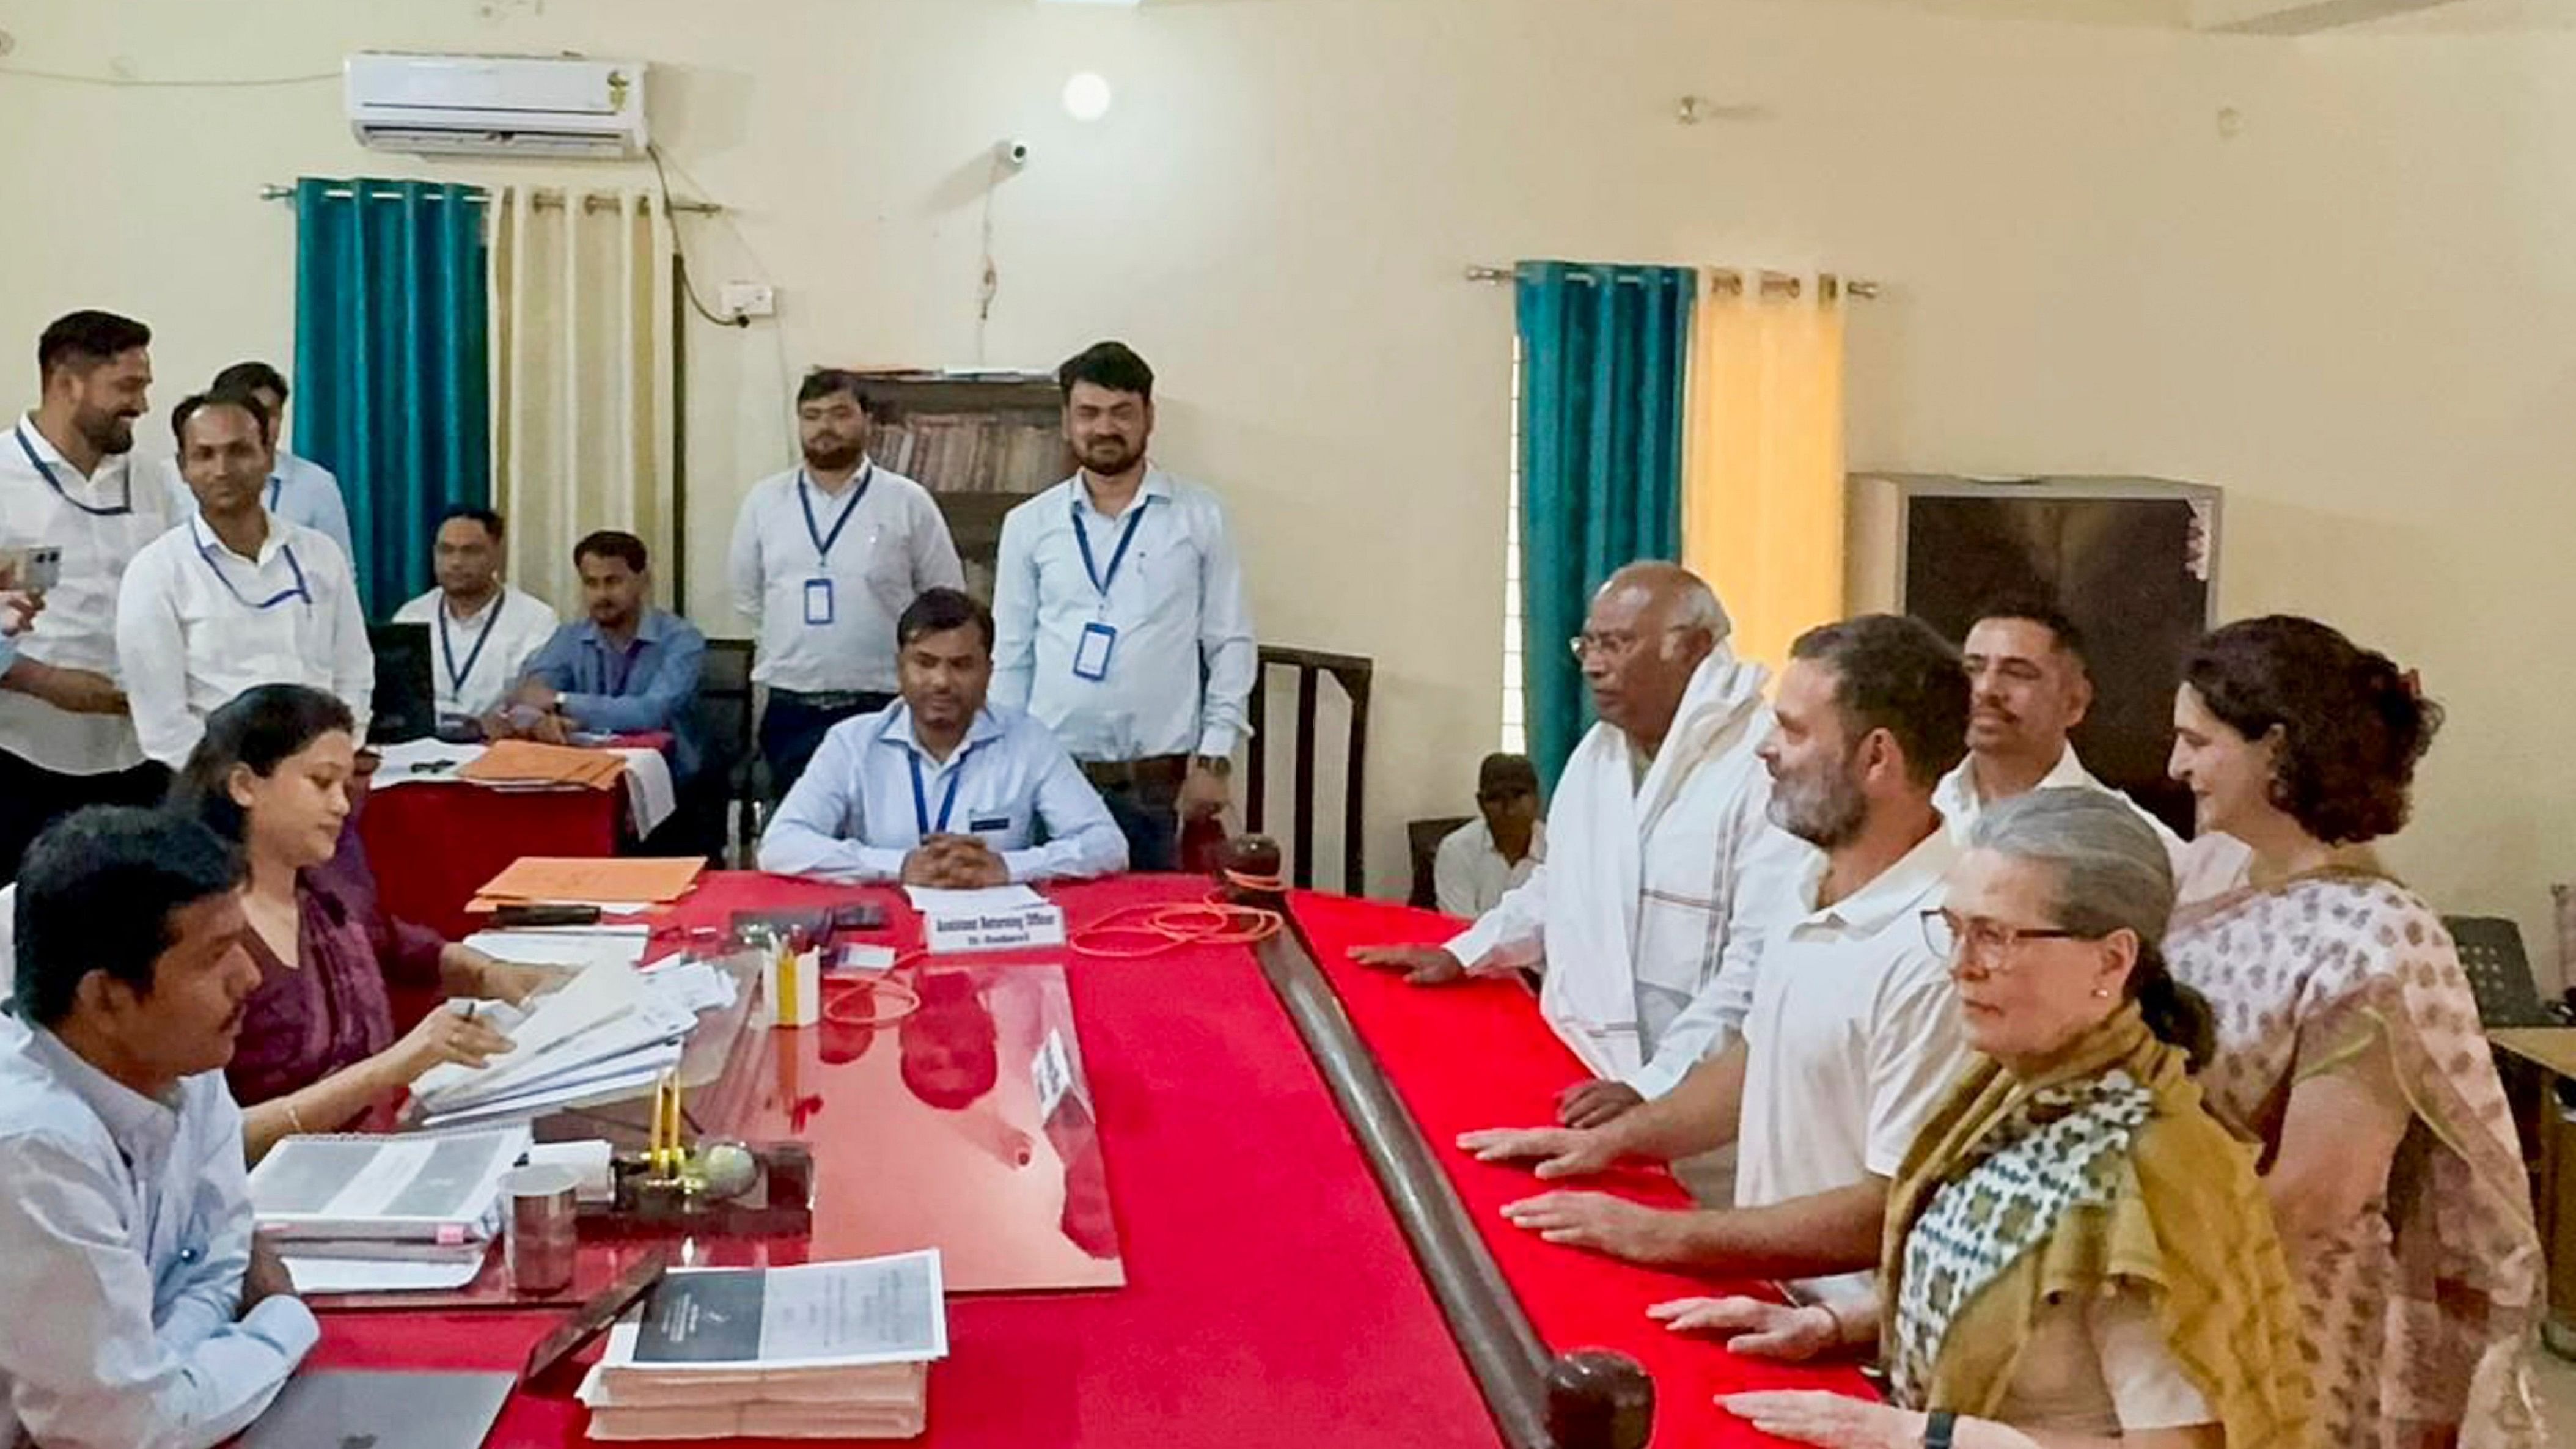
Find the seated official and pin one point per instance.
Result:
(148, 1316)
(299, 490)
(486, 632)
(629, 668)
(317, 1049)
(1849, 1036)
(235, 596)
(2077, 1252)
(942, 789)
(1480, 862)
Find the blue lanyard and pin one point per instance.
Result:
(276, 485)
(206, 551)
(823, 541)
(921, 797)
(456, 677)
(624, 660)
(41, 466)
(1126, 536)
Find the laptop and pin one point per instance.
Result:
(406, 703)
(348, 1409)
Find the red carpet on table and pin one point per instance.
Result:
(1477, 1055)
(1271, 1300)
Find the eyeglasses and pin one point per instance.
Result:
(1618, 645)
(1974, 940)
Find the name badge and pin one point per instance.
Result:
(818, 601)
(1091, 652)
(983, 823)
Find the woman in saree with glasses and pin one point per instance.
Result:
(2349, 1044)
(2077, 1253)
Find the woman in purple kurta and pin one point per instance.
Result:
(317, 1051)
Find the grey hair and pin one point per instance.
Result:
(2111, 874)
(1696, 607)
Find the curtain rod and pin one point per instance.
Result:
(1727, 279)
(544, 199)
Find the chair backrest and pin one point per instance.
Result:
(724, 699)
(1424, 837)
(2499, 973)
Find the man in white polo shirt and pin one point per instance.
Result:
(1850, 1039)
(1122, 619)
(67, 482)
(2029, 687)
(482, 631)
(299, 489)
(234, 596)
(826, 557)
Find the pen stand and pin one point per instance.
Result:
(779, 1202)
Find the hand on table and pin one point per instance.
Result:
(1596, 1104)
(1421, 965)
(266, 1277)
(1602, 1223)
(955, 862)
(1809, 1416)
(1558, 1151)
(1752, 1327)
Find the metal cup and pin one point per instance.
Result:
(543, 1235)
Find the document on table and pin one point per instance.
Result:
(636, 879)
(383, 1187)
(576, 946)
(929, 899)
(378, 1275)
(818, 1315)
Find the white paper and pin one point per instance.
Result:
(590, 1159)
(382, 1187)
(927, 899)
(373, 1275)
(422, 762)
(574, 946)
(624, 1081)
(813, 1316)
(578, 1013)
(650, 796)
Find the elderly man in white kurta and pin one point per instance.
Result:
(1663, 872)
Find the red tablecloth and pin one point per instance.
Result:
(433, 845)
(1270, 1298)
(1479, 1055)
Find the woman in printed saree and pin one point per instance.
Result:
(317, 1051)
(2077, 1252)
(2349, 1045)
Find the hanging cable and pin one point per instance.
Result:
(679, 249)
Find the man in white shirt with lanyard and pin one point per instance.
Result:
(1123, 625)
(299, 489)
(2029, 687)
(482, 631)
(67, 481)
(1850, 1036)
(825, 559)
(943, 789)
(234, 596)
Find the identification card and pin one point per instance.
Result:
(1091, 652)
(818, 601)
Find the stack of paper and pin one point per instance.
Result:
(569, 946)
(606, 1035)
(823, 1351)
(529, 765)
(384, 1213)
(613, 883)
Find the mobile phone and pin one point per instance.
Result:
(509, 918)
(35, 569)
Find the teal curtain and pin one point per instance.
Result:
(1603, 363)
(392, 382)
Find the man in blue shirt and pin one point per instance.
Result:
(940, 788)
(628, 668)
(127, 1227)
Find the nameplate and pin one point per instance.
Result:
(1003, 930)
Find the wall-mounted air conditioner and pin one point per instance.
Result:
(491, 105)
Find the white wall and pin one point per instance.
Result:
(2356, 314)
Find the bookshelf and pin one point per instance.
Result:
(983, 443)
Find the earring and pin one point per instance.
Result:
(2101, 993)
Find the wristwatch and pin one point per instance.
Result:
(1938, 1427)
(1217, 765)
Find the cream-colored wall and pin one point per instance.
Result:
(2356, 314)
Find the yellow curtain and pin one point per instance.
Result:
(1762, 480)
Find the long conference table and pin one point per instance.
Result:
(1295, 1274)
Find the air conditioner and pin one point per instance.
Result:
(490, 105)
